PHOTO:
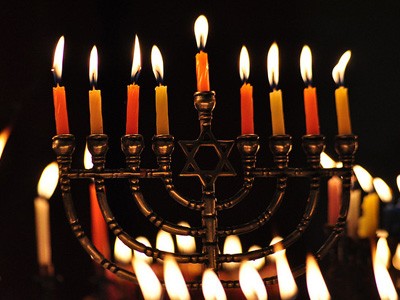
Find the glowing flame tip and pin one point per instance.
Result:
(338, 70)
(93, 65)
(273, 65)
(136, 63)
(201, 31)
(58, 59)
(48, 181)
(244, 64)
(306, 64)
(157, 64)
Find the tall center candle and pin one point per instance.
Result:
(202, 73)
(96, 118)
(246, 93)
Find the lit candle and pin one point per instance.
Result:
(60, 103)
(46, 186)
(96, 119)
(342, 101)
(275, 97)
(162, 122)
(132, 106)
(310, 93)
(202, 74)
(246, 93)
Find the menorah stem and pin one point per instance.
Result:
(204, 103)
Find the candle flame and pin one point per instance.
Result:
(157, 64)
(338, 70)
(4, 135)
(315, 282)
(287, 285)
(201, 31)
(251, 283)
(259, 262)
(148, 281)
(382, 189)
(277, 247)
(396, 258)
(141, 256)
(328, 163)
(136, 63)
(174, 282)
(383, 281)
(306, 65)
(87, 159)
(273, 65)
(398, 182)
(232, 245)
(383, 251)
(244, 64)
(58, 59)
(48, 181)
(186, 243)
(122, 253)
(212, 287)
(93, 62)
(164, 241)
(364, 178)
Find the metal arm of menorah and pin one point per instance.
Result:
(208, 205)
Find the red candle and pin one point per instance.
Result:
(310, 93)
(246, 93)
(334, 198)
(59, 98)
(132, 105)
(202, 74)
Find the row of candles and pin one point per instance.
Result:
(203, 85)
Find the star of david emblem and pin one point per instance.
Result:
(222, 149)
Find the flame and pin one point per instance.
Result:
(315, 282)
(251, 283)
(277, 248)
(136, 63)
(382, 189)
(93, 62)
(148, 281)
(87, 159)
(58, 59)
(122, 253)
(4, 135)
(287, 285)
(338, 70)
(257, 263)
(48, 181)
(157, 64)
(273, 65)
(306, 64)
(201, 31)
(186, 243)
(383, 281)
(141, 256)
(212, 287)
(164, 241)
(328, 163)
(383, 251)
(396, 258)
(244, 64)
(232, 245)
(174, 282)
(364, 178)
(398, 182)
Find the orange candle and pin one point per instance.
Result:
(334, 198)
(59, 98)
(341, 97)
(132, 105)
(278, 123)
(162, 122)
(202, 74)
(246, 93)
(310, 93)
(96, 119)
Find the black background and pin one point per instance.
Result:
(29, 33)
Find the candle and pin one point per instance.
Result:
(46, 186)
(341, 97)
(368, 222)
(202, 74)
(246, 93)
(310, 93)
(162, 122)
(334, 198)
(96, 119)
(354, 213)
(59, 98)
(275, 97)
(132, 105)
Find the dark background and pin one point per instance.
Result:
(29, 33)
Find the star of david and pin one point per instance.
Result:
(221, 148)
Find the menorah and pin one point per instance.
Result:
(208, 206)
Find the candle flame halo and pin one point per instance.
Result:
(383, 281)
(328, 163)
(174, 281)
(382, 189)
(396, 258)
(315, 282)
(259, 262)
(87, 159)
(251, 283)
(232, 245)
(273, 65)
(212, 287)
(58, 59)
(4, 135)
(244, 64)
(93, 65)
(164, 241)
(306, 64)
(287, 286)
(148, 281)
(137, 61)
(48, 181)
(201, 31)
(186, 243)
(364, 178)
(122, 253)
(338, 70)
(383, 251)
(141, 256)
(157, 64)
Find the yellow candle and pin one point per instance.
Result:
(162, 122)
(341, 97)
(202, 74)
(96, 119)
(368, 222)
(275, 97)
